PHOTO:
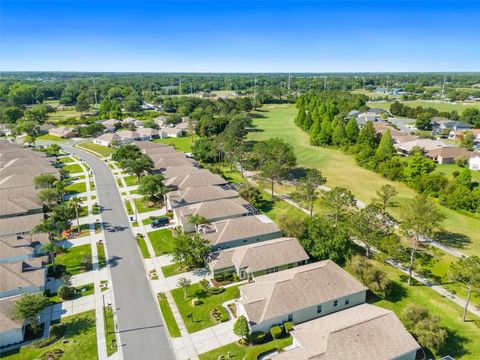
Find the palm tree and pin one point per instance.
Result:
(60, 188)
(52, 248)
(163, 191)
(197, 220)
(75, 202)
(46, 227)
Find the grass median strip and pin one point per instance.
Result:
(162, 241)
(143, 247)
(168, 316)
(109, 325)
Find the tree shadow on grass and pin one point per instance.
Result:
(455, 344)
(78, 326)
(454, 240)
(266, 205)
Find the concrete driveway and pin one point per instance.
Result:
(140, 326)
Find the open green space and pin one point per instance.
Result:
(162, 241)
(72, 169)
(71, 258)
(464, 337)
(81, 339)
(84, 230)
(131, 180)
(109, 326)
(102, 150)
(449, 169)
(232, 175)
(129, 207)
(173, 269)
(440, 106)
(241, 352)
(47, 137)
(143, 247)
(168, 317)
(341, 170)
(275, 208)
(200, 317)
(66, 159)
(183, 144)
(80, 291)
(77, 188)
(142, 206)
(102, 261)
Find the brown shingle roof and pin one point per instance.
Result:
(449, 153)
(361, 332)
(158, 150)
(22, 274)
(213, 210)
(298, 288)
(261, 256)
(148, 144)
(19, 224)
(196, 180)
(7, 322)
(12, 246)
(182, 171)
(195, 195)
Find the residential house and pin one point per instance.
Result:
(441, 123)
(299, 294)
(164, 164)
(106, 139)
(147, 133)
(239, 231)
(128, 136)
(361, 332)
(21, 277)
(136, 122)
(21, 247)
(398, 136)
(167, 155)
(160, 120)
(19, 225)
(110, 124)
(425, 144)
(143, 145)
(172, 132)
(22, 205)
(447, 155)
(458, 134)
(62, 132)
(251, 261)
(5, 130)
(12, 331)
(189, 196)
(159, 150)
(195, 180)
(177, 171)
(474, 163)
(212, 211)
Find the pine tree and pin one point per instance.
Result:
(338, 136)
(351, 131)
(385, 149)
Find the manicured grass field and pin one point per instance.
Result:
(162, 241)
(131, 180)
(72, 169)
(240, 352)
(201, 314)
(66, 159)
(89, 290)
(80, 333)
(102, 261)
(77, 188)
(102, 150)
(71, 258)
(464, 337)
(129, 207)
(143, 247)
(109, 326)
(172, 325)
(341, 170)
(173, 269)
(448, 170)
(142, 206)
(48, 137)
(440, 106)
(231, 175)
(181, 144)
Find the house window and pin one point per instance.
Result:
(290, 317)
(303, 262)
(319, 309)
(272, 270)
(347, 301)
(290, 266)
(335, 303)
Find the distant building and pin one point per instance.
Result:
(12, 331)
(426, 144)
(62, 132)
(110, 124)
(441, 123)
(447, 155)
(474, 163)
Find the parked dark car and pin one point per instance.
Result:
(159, 222)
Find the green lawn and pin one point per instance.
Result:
(464, 337)
(83, 211)
(102, 150)
(129, 207)
(240, 352)
(143, 247)
(231, 175)
(162, 241)
(440, 106)
(48, 137)
(131, 180)
(66, 159)
(84, 230)
(109, 325)
(275, 208)
(102, 261)
(341, 170)
(72, 169)
(143, 207)
(201, 314)
(173, 269)
(77, 188)
(448, 170)
(80, 333)
(172, 325)
(89, 290)
(181, 144)
(71, 258)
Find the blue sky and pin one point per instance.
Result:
(240, 36)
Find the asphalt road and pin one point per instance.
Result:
(141, 329)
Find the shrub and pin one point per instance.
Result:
(216, 290)
(196, 302)
(52, 354)
(86, 262)
(276, 331)
(65, 292)
(258, 337)
(288, 326)
(56, 332)
(235, 277)
(204, 283)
